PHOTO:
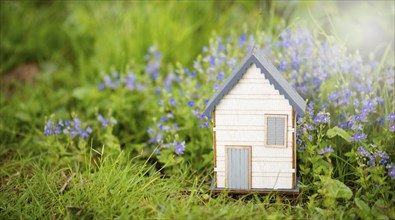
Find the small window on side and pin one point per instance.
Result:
(276, 130)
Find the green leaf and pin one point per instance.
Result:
(335, 188)
(80, 93)
(378, 209)
(362, 206)
(336, 131)
(23, 116)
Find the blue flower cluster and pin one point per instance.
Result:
(391, 119)
(376, 158)
(340, 86)
(71, 128)
(354, 103)
(117, 81)
(179, 147)
(358, 137)
(106, 121)
(326, 150)
(154, 62)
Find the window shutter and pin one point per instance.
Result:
(280, 124)
(271, 130)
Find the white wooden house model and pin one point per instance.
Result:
(254, 125)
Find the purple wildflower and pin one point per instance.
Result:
(161, 126)
(84, 134)
(77, 123)
(204, 49)
(212, 61)
(104, 122)
(391, 171)
(283, 65)
(309, 127)
(322, 117)
(391, 116)
(157, 91)
(380, 120)
(220, 76)
(48, 128)
(180, 147)
(58, 130)
(327, 149)
(163, 118)
(191, 104)
(110, 83)
(73, 132)
(221, 47)
(101, 86)
(149, 130)
(364, 153)
(216, 86)
(356, 104)
(295, 61)
(158, 55)
(392, 127)
(302, 148)
(242, 40)
(196, 113)
(173, 102)
(130, 81)
(383, 155)
(358, 137)
(310, 109)
(205, 125)
(158, 138)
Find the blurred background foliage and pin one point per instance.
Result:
(94, 36)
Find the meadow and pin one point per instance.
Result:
(101, 111)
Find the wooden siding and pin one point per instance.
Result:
(242, 119)
(239, 120)
(250, 104)
(277, 182)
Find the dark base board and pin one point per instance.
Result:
(295, 191)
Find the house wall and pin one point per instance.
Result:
(239, 121)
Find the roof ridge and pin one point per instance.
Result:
(270, 72)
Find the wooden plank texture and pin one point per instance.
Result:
(247, 104)
(260, 151)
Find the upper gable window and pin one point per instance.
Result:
(276, 130)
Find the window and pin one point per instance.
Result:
(276, 132)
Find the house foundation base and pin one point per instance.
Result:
(295, 191)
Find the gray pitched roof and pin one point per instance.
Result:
(271, 73)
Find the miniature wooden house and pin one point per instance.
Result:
(254, 123)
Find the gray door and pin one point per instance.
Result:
(238, 168)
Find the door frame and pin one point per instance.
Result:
(249, 148)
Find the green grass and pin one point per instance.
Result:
(123, 187)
